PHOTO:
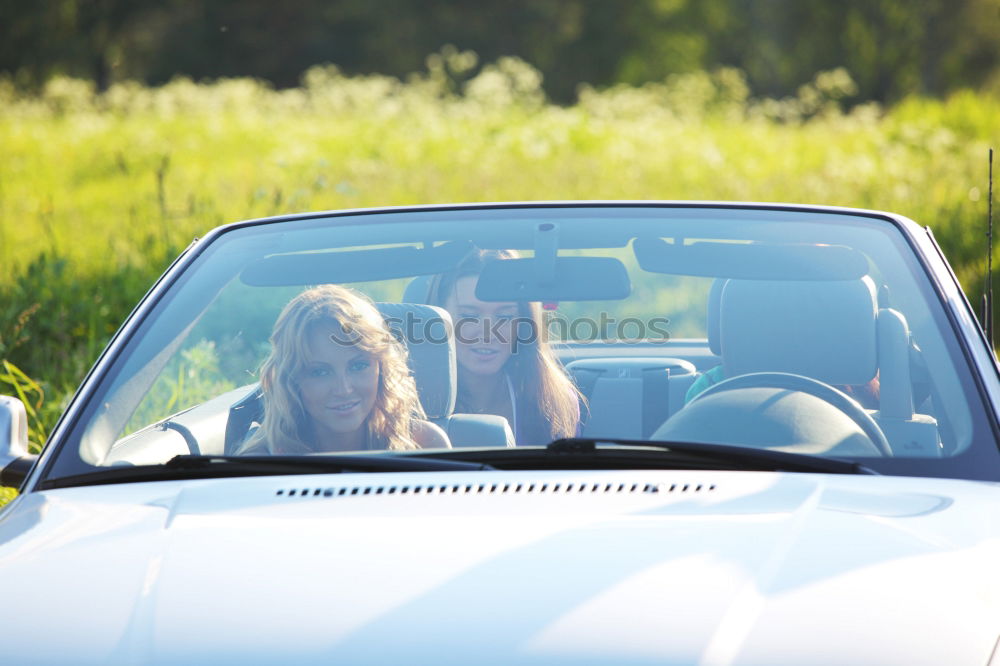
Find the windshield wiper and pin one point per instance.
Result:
(617, 453)
(740, 455)
(382, 462)
(207, 467)
(572, 453)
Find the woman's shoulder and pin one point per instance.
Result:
(428, 435)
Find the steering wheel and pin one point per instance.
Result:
(825, 392)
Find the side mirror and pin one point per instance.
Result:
(15, 461)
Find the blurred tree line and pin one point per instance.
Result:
(890, 47)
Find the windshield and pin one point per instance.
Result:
(512, 327)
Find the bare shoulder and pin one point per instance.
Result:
(429, 436)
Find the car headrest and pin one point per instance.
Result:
(426, 331)
(418, 290)
(822, 329)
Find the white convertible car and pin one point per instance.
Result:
(562, 433)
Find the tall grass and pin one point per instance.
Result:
(99, 191)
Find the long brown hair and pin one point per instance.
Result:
(286, 427)
(548, 403)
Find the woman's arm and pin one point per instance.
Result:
(429, 436)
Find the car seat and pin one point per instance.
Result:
(427, 332)
(831, 331)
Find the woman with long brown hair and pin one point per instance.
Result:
(503, 368)
(337, 380)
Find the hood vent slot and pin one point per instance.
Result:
(509, 488)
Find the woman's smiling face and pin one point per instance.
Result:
(484, 331)
(338, 385)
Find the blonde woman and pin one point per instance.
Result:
(337, 380)
(523, 382)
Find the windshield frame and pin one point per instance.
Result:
(925, 251)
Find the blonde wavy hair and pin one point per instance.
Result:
(287, 427)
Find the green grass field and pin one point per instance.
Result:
(99, 192)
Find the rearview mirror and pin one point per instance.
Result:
(569, 279)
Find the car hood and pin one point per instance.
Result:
(596, 567)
